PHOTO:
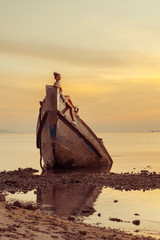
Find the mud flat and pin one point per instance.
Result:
(19, 221)
(26, 179)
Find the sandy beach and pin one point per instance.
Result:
(25, 221)
(16, 222)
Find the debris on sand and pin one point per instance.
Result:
(25, 180)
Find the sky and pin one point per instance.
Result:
(108, 54)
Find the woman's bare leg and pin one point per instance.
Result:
(69, 99)
(71, 110)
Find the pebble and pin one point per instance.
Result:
(136, 222)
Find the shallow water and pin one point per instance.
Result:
(18, 151)
(130, 152)
(133, 151)
(145, 204)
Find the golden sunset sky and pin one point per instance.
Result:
(108, 53)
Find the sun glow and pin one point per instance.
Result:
(108, 59)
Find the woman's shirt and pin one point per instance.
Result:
(61, 95)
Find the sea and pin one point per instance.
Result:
(130, 151)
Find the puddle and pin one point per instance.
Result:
(95, 205)
(73, 200)
(30, 196)
(128, 206)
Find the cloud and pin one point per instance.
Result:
(132, 102)
(76, 56)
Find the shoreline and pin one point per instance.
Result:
(20, 223)
(40, 226)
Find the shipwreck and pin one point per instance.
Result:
(61, 143)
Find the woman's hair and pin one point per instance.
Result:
(55, 74)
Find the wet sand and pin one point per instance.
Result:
(20, 221)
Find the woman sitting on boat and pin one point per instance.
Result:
(66, 98)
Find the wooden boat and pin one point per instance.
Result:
(64, 145)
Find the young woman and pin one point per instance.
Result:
(66, 98)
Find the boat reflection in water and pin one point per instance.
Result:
(68, 200)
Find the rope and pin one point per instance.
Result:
(41, 161)
(39, 138)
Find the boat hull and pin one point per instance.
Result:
(63, 145)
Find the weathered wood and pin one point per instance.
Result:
(63, 144)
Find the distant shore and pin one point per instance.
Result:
(27, 222)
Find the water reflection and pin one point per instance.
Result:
(68, 200)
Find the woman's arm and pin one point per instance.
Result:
(57, 86)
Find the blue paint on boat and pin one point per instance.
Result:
(53, 131)
(47, 128)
